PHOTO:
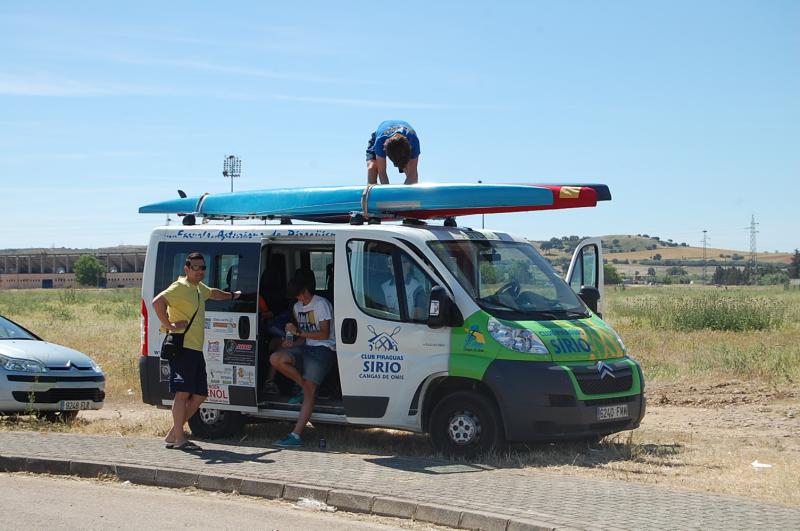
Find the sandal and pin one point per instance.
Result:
(186, 446)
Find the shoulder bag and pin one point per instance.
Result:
(172, 347)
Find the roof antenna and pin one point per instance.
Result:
(182, 194)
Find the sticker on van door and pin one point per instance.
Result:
(384, 361)
(218, 394)
(239, 352)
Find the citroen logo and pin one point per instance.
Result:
(604, 370)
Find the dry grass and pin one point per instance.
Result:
(718, 399)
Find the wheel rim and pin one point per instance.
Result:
(210, 416)
(464, 428)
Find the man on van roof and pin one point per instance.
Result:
(398, 141)
(313, 351)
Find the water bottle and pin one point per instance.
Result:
(289, 337)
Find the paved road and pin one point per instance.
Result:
(45, 502)
(558, 500)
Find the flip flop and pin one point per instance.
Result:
(187, 446)
(169, 445)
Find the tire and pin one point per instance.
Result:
(216, 423)
(58, 416)
(465, 424)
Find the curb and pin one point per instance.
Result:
(344, 500)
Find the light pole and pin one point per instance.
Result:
(232, 167)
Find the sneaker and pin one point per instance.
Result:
(290, 441)
(296, 399)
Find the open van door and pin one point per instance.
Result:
(586, 271)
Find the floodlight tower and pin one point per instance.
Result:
(232, 167)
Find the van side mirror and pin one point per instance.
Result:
(590, 295)
(442, 311)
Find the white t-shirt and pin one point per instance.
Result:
(309, 316)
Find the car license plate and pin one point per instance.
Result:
(72, 405)
(612, 412)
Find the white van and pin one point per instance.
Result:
(496, 348)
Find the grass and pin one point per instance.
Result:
(677, 333)
(105, 325)
(684, 332)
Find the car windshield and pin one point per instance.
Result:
(510, 280)
(9, 330)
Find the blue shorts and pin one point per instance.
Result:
(187, 373)
(313, 362)
(371, 148)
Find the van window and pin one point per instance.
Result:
(509, 280)
(387, 283)
(231, 266)
(586, 269)
(320, 262)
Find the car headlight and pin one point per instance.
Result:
(516, 339)
(21, 365)
(95, 366)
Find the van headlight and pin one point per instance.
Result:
(516, 339)
(619, 340)
(21, 365)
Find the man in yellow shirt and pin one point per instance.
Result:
(184, 301)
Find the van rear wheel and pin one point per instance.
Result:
(465, 424)
(216, 423)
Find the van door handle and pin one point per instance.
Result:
(244, 327)
(349, 331)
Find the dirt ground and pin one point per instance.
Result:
(713, 438)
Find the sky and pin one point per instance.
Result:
(689, 111)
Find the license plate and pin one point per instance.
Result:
(612, 412)
(73, 405)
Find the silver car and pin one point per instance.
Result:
(43, 378)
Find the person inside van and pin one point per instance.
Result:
(416, 297)
(398, 141)
(311, 355)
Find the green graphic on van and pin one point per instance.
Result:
(474, 341)
(484, 338)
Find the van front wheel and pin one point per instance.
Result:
(216, 423)
(465, 424)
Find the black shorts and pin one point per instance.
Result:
(187, 373)
(371, 148)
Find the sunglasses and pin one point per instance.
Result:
(197, 267)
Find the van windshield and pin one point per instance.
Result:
(510, 280)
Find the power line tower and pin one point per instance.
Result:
(753, 247)
(705, 245)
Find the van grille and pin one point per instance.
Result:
(57, 395)
(592, 382)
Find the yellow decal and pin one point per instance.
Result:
(569, 192)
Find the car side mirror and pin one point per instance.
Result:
(590, 295)
(442, 311)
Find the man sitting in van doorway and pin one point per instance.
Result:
(313, 351)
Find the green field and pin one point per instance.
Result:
(678, 333)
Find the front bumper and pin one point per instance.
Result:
(538, 401)
(22, 392)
